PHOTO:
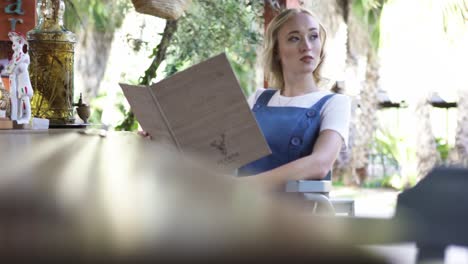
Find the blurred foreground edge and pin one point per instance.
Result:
(125, 199)
(433, 215)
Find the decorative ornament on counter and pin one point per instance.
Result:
(83, 110)
(52, 60)
(21, 91)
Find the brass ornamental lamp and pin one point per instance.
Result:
(51, 68)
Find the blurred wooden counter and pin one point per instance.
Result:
(115, 196)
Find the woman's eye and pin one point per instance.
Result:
(293, 39)
(313, 37)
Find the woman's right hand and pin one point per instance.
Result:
(144, 134)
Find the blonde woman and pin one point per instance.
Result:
(305, 127)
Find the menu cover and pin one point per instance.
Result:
(201, 110)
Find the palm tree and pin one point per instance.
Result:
(455, 20)
(358, 22)
(460, 152)
(362, 19)
(427, 155)
(456, 25)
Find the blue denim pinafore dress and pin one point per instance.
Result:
(291, 132)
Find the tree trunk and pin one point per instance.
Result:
(91, 56)
(365, 123)
(460, 153)
(349, 51)
(427, 155)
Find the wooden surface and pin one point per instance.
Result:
(118, 196)
(5, 123)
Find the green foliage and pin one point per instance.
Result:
(130, 123)
(393, 181)
(101, 15)
(208, 29)
(121, 113)
(338, 183)
(412, 180)
(212, 27)
(391, 152)
(455, 18)
(455, 9)
(443, 148)
(369, 12)
(386, 146)
(97, 106)
(159, 53)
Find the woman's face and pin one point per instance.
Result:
(299, 45)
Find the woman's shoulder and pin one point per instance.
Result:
(260, 90)
(335, 97)
(340, 97)
(341, 101)
(255, 95)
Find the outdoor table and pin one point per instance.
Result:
(105, 196)
(116, 195)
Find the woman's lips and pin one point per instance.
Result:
(307, 59)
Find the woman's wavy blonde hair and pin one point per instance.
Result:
(272, 65)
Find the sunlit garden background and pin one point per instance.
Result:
(403, 62)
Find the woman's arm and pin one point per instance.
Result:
(314, 166)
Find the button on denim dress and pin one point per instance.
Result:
(290, 131)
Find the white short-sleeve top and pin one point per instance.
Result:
(335, 114)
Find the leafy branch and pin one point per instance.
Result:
(159, 52)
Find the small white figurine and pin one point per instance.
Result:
(21, 90)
